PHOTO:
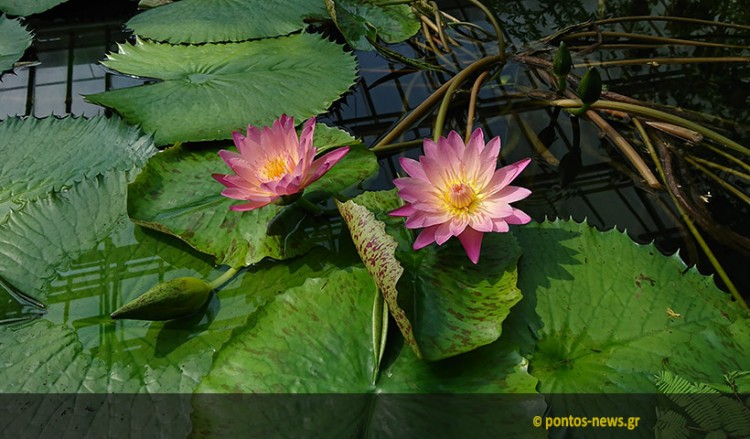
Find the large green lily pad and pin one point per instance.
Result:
(27, 7)
(225, 87)
(56, 201)
(614, 313)
(14, 40)
(48, 155)
(316, 338)
(176, 194)
(194, 21)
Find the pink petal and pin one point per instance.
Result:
(518, 217)
(506, 174)
(499, 225)
(510, 194)
(413, 190)
(472, 242)
(306, 139)
(476, 141)
(405, 210)
(425, 219)
(443, 233)
(251, 205)
(496, 208)
(321, 165)
(457, 225)
(430, 148)
(239, 165)
(413, 168)
(491, 150)
(425, 238)
(481, 222)
(435, 172)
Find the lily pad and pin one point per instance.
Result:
(14, 40)
(176, 194)
(43, 237)
(225, 87)
(56, 202)
(613, 312)
(454, 307)
(362, 21)
(48, 155)
(316, 338)
(77, 352)
(27, 7)
(194, 21)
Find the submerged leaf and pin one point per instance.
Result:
(194, 21)
(225, 87)
(14, 40)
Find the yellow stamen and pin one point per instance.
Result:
(273, 169)
(461, 199)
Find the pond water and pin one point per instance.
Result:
(579, 175)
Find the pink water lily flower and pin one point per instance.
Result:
(272, 163)
(455, 190)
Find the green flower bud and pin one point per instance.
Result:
(562, 62)
(169, 300)
(590, 87)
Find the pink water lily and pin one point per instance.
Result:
(455, 190)
(273, 163)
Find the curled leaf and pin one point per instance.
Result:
(173, 299)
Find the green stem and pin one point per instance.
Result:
(224, 278)
(718, 180)
(721, 168)
(393, 148)
(495, 25)
(456, 82)
(654, 114)
(693, 230)
(665, 60)
(308, 206)
(654, 39)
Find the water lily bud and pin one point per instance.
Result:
(562, 62)
(590, 87)
(169, 300)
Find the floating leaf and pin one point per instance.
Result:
(76, 350)
(363, 20)
(194, 21)
(14, 40)
(604, 303)
(176, 194)
(27, 7)
(316, 338)
(57, 201)
(603, 314)
(456, 307)
(225, 87)
(47, 155)
(44, 236)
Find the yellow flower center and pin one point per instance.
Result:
(274, 169)
(461, 199)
